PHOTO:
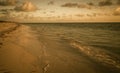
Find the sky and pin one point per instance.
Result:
(60, 10)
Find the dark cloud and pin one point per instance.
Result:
(84, 6)
(90, 3)
(51, 3)
(26, 6)
(8, 2)
(70, 5)
(89, 15)
(105, 3)
(76, 5)
(6, 10)
(3, 11)
(118, 2)
(117, 12)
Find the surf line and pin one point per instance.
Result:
(9, 30)
(100, 55)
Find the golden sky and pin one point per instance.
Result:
(60, 10)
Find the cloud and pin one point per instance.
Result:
(76, 5)
(118, 2)
(91, 4)
(94, 14)
(26, 6)
(105, 3)
(8, 2)
(117, 12)
(84, 6)
(70, 5)
(80, 15)
(51, 3)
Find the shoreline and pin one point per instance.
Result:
(14, 57)
(6, 27)
(25, 49)
(59, 22)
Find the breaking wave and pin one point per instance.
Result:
(100, 55)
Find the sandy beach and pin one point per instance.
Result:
(13, 57)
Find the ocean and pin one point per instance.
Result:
(101, 35)
(98, 42)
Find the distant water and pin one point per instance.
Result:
(101, 35)
(100, 42)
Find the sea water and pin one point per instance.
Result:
(99, 43)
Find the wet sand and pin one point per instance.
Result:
(13, 57)
(21, 51)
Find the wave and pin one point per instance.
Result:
(100, 55)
